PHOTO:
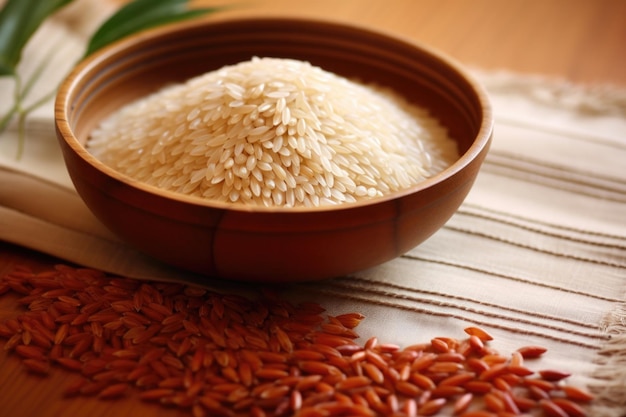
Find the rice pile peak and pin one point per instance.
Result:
(274, 132)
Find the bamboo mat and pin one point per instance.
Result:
(536, 254)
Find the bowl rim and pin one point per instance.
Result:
(62, 105)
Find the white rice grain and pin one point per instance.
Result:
(274, 132)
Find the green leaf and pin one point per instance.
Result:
(19, 19)
(142, 14)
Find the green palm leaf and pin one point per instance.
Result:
(19, 19)
(142, 14)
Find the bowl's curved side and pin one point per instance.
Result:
(279, 245)
(361, 239)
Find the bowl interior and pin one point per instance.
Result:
(146, 62)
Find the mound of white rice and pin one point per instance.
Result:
(274, 132)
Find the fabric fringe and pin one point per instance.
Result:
(609, 378)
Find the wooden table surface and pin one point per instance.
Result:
(583, 41)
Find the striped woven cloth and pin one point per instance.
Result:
(535, 255)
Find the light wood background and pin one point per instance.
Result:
(583, 41)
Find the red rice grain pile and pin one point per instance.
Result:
(224, 355)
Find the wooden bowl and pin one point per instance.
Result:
(269, 244)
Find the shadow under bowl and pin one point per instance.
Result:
(235, 241)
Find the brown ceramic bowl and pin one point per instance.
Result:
(270, 244)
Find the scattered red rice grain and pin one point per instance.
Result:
(70, 364)
(30, 352)
(37, 366)
(576, 393)
(479, 413)
(432, 407)
(114, 391)
(553, 375)
(551, 409)
(531, 351)
(222, 354)
(571, 408)
(478, 332)
(462, 403)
